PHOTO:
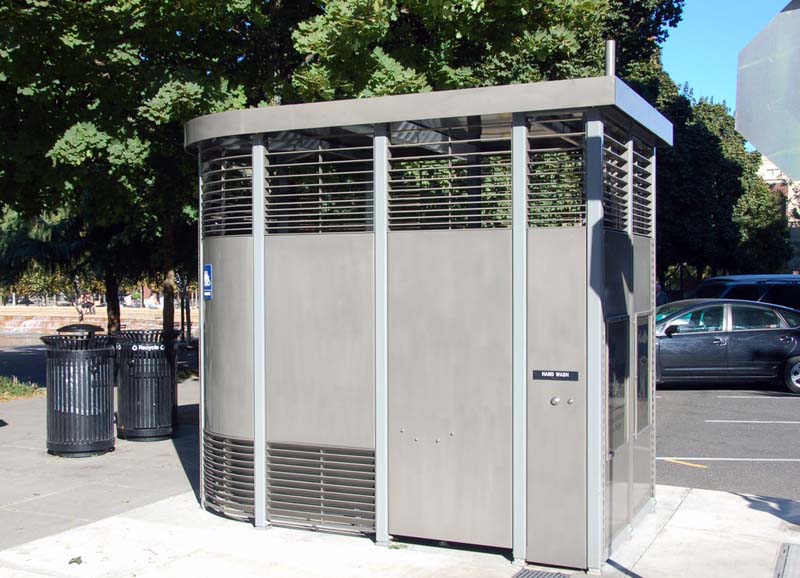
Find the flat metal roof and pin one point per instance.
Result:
(551, 96)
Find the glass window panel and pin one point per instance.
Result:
(748, 318)
(618, 371)
(788, 295)
(642, 373)
(792, 319)
(701, 320)
(749, 292)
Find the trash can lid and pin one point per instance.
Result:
(80, 328)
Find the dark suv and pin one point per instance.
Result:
(778, 289)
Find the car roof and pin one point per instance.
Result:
(777, 278)
(689, 303)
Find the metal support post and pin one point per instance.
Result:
(519, 292)
(595, 382)
(380, 204)
(201, 320)
(259, 336)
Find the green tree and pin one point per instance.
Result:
(95, 96)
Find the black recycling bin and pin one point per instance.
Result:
(80, 394)
(146, 379)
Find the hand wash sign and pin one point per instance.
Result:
(207, 282)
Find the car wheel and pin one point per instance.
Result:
(791, 375)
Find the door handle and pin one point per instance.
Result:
(786, 339)
(719, 341)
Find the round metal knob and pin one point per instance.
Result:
(555, 400)
(570, 401)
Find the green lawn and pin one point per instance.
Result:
(12, 388)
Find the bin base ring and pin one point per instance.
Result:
(80, 454)
(144, 435)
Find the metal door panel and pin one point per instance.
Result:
(450, 385)
(556, 495)
(759, 353)
(693, 355)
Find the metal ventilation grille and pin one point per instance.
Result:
(319, 183)
(321, 487)
(642, 188)
(556, 194)
(615, 180)
(454, 177)
(226, 172)
(228, 476)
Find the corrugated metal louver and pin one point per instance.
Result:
(319, 182)
(228, 476)
(556, 194)
(227, 187)
(615, 179)
(643, 155)
(321, 487)
(450, 177)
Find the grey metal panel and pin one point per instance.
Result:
(228, 338)
(450, 385)
(595, 374)
(643, 280)
(259, 337)
(519, 389)
(619, 273)
(557, 433)
(553, 95)
(618, 492)
(642, 468)
(636, 107)
(321, 339)
(380, 171)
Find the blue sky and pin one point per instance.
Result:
(704, 49)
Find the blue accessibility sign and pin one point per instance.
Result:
(207, 282)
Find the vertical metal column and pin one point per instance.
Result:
(630, 306)
(381, 179)
(201, 305)
(653, 328)
(519, 330)
(259, 337)
(595, 382)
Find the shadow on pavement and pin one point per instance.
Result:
(27, 363)
(622, 569)
(187, 444)
(786, 510)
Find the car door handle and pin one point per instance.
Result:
(786, 339)
(719, 341)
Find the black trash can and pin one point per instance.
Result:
(146, 378)
(80, 395)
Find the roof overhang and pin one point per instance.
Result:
(551, 96)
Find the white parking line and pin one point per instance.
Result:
(694, 459)
(750, 421)
(758, 397)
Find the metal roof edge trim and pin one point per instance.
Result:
(552, 95)
(632, 104)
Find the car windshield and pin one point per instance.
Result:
(666, 310)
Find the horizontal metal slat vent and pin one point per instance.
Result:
(228, 479)
(615, 179)
(226, 173)
(454, 177)
(319, 183)
(556, 193)
(321, 487)
(643, 177)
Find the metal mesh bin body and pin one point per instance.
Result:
(80, 395)
(146, 376)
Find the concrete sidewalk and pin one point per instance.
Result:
(135, 513)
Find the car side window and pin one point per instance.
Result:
(702, 320)
(748, 318)
(792, 319)
(747, 292)
(788, 295)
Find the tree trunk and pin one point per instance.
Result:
(112, 302)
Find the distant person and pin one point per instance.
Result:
(88, 304)
(661, 296)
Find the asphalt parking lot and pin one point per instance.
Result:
(743, 439)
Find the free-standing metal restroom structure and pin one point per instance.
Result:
(431, 315)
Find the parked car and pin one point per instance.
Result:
(723, 340)
(775, 289)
